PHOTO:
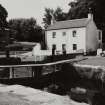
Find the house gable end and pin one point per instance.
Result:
(91, 36)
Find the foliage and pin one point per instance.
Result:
(10, 61)
(57, 13)
(25, 30)
(47, 17)
(3, 16)
(80, 9)
(3, 26)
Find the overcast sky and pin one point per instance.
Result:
(32, 8)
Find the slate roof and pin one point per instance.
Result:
(75, 23)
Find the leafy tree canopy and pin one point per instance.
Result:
(3, 25)
(80, 9)
(25, 30)
(58, 14)
(3, 16)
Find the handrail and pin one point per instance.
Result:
(11, 68)
(46, 64)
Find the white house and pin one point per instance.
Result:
(74, 35)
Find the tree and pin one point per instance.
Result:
(58, 14)
(3, 22)
(3, 16)
(80, 9)
(3, 25)
(25, 30)
(47, 17)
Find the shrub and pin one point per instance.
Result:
(10, 61)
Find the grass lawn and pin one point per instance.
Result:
(95, 61)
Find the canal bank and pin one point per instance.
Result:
(82, 81)
(74, 79)
(92, 68)
(92, 80)
(21, 95)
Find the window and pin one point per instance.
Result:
(64, 33)
(99, 35)
(53, 34)
(74, 46)
(74, 33)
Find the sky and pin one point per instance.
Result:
(32, 8)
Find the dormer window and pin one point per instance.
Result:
(53, 34)
(74, 33)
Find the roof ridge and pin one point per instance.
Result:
(71, 20)
(83, 22)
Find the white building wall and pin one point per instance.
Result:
(68, 39)
(92, 38)
(79, 39)
(58, 40)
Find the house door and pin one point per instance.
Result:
(53, 49)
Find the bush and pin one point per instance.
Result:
(10, 61)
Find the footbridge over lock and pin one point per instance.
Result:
(64, 73)
(32, 70)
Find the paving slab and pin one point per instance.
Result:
(93, 60)
(21, 95)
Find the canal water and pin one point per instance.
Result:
(65, 81)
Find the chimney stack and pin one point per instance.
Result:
(90, 15)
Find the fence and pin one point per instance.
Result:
(29, 70)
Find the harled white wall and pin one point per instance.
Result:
(68, 39)
(92, 38)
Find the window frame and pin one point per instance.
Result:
(74, 33)
(64, 33)
(53, 34)
(74, 46)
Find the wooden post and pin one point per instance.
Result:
(37, 72)
(33, 71)
(10, 73)
(53, 77)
